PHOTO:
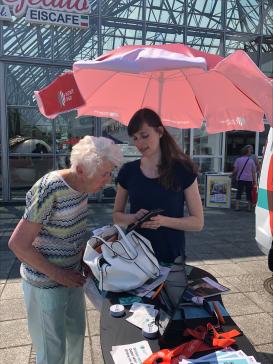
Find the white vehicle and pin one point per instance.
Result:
(264, 208)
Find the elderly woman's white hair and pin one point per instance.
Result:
(90, 152)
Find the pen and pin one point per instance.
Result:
(219, 314)
(157, 291)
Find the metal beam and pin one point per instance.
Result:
(4, 136)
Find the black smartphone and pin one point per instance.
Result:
(144, 218)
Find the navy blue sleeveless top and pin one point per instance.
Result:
(147, 193)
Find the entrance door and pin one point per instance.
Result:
(235, 141)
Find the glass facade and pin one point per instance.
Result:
(31, 56)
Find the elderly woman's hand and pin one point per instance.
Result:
(68, 277)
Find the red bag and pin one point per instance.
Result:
(254, 194)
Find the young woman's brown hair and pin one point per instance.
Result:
(171, 154)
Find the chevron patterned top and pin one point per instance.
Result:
(62, 211)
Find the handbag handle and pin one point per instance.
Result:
(124, 237)
(138, 236)
(135, 235)
(113, 251)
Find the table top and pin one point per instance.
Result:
(118, 331)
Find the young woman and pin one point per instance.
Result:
(49, 240)
(163, 178)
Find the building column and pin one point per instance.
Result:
(4, 135)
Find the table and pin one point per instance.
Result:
(118, 331)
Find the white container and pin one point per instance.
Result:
(150, 330)
(117, 310)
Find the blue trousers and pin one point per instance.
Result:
(56, 323)
(247, 185)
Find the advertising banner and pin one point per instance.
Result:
(218, 191)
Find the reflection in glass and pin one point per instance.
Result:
(63, 161)
(114, 130)
(208, 164)
(186, 141)
(25, 170)
(35, 41)
(75, 44)
(266, 60)
(118, 133)
(262, 139)
(26, 124)
(23, 80)
(204, 144)
(70, 129)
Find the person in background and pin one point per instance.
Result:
(255, 159)
(245, 171)
(50, 239)
(163, 178)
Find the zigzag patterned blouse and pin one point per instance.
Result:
(62, 212)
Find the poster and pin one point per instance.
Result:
(218, 190)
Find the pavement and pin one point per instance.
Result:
(226, 248)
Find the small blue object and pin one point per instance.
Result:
(192, 312)
(126, 301)
(199, 312)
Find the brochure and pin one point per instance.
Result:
(204, 287)
(224, 356)
(142, 314)
(151, 284)
(132, 353)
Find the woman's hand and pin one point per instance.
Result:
(67, 277)
(155, 222)
(139, 214)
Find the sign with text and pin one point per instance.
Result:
(71, 13)
(5, 13)
(218, 190)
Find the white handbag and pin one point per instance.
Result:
(123, 264)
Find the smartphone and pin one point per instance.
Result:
(144, 218)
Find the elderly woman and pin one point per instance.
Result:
(49, 240)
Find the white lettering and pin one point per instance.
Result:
(19, 7)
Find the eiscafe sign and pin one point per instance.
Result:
(70, 13)
(5, 13)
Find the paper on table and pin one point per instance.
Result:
(142, 316)
(225, 360)
(136, 306)
(225, 356)
(217, 354)
(131, 353)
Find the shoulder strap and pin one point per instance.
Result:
(243, 169)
